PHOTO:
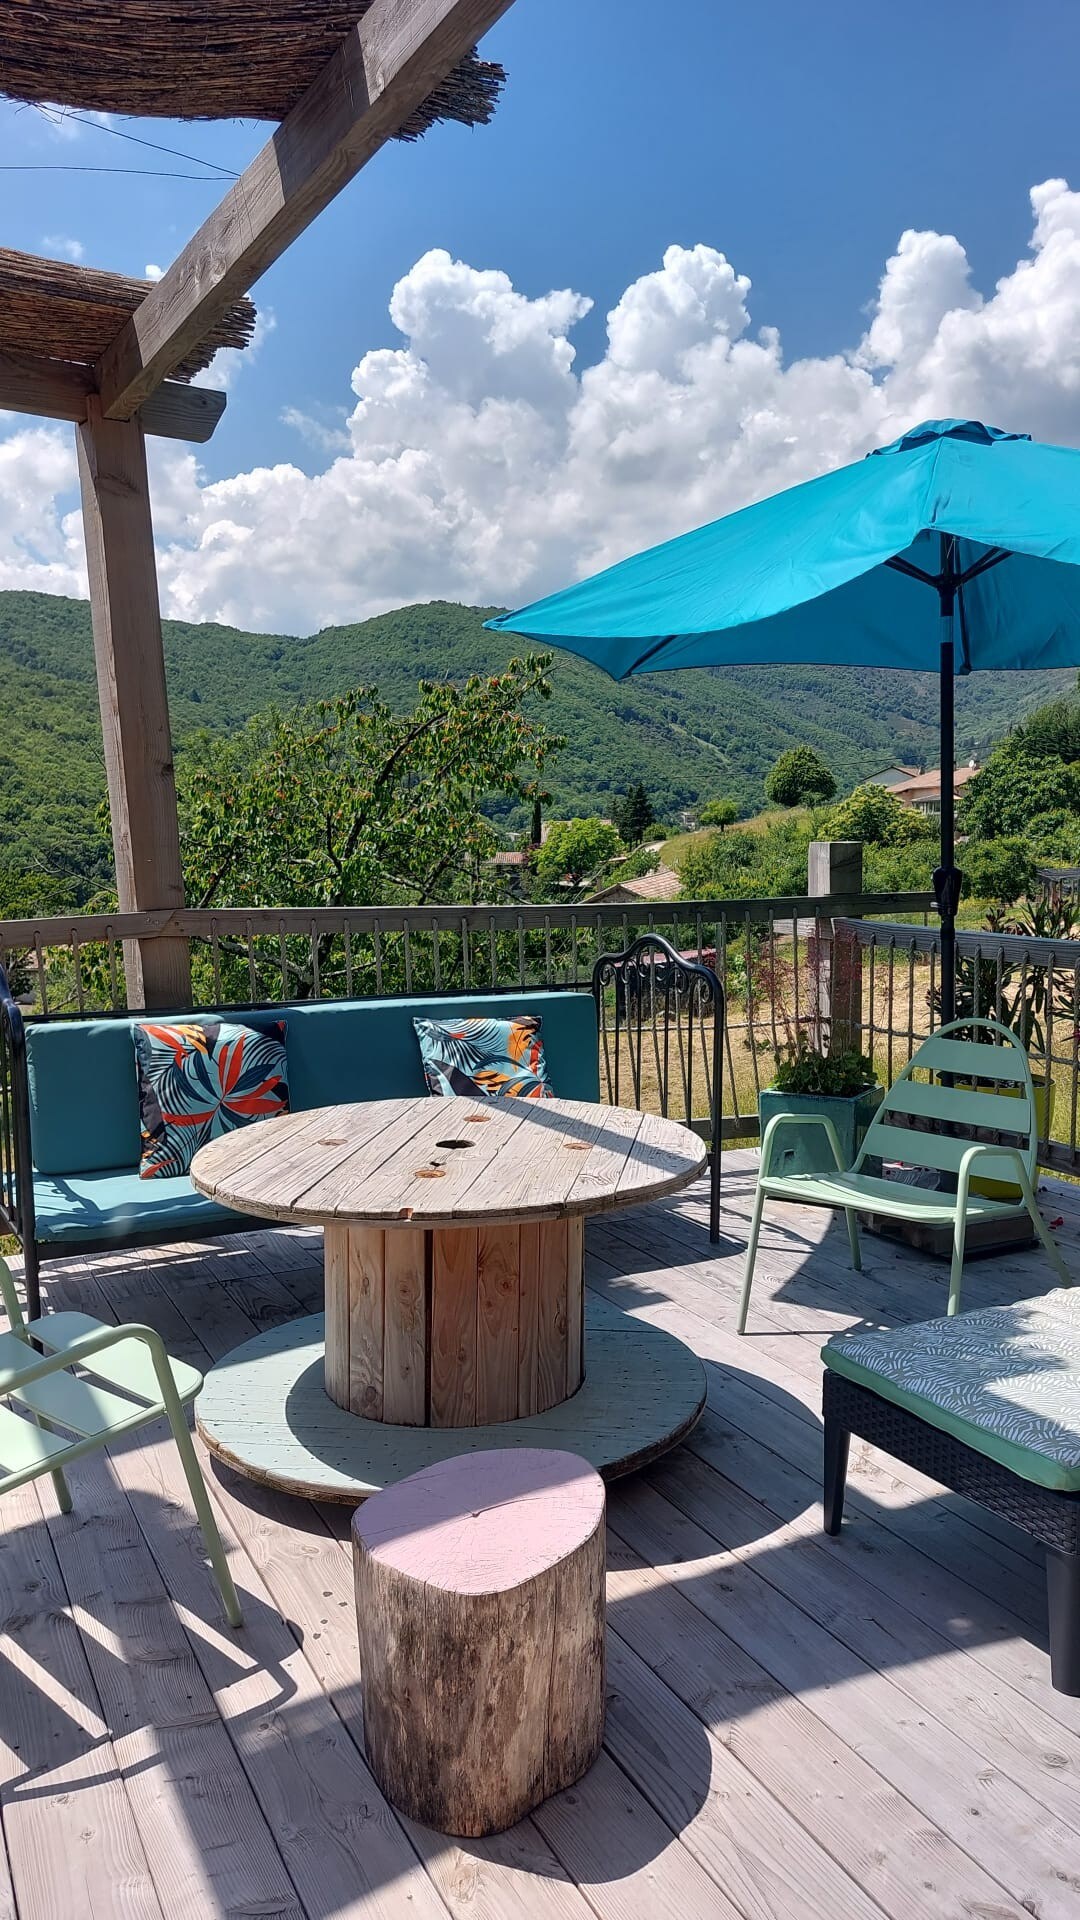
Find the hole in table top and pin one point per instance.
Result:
(477, 1119)
(429, 1173)
(577, 1146)
(453, 1143)
(330, 1143)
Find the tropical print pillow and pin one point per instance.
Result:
(485, 1057)
(200, 1079)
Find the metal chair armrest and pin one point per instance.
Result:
(979, 1149)
(82, 1350)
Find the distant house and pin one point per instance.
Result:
(512, 868)
(892, 777)
(923, 792)
(661, 885)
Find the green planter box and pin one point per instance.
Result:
(806, 1149)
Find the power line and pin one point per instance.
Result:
(149, 173)
(119, 133)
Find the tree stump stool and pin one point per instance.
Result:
(480, 1607)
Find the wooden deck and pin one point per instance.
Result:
(798, 1728)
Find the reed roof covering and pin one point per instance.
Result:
(201, 59)
(63, 312)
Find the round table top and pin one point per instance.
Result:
(448, 1162)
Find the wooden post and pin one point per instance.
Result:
(134, 704)
(835, 866)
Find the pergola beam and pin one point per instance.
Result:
(382, 72)
(61, 390)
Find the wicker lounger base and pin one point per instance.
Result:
(1051, 1518)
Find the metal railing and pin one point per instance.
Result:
(772, 956)
(842, 966)
(889, 1004)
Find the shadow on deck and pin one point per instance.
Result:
(796, 1725)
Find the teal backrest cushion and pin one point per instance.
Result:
(335, 1056)
(84, 1095)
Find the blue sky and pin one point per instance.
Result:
(798, 142)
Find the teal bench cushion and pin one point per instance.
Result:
(1003, 1380)
(84, 1101)
(115, 1205)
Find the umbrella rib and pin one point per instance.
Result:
(913, 573)
(991, 559)
(965, 647)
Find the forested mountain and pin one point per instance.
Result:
(685, 735)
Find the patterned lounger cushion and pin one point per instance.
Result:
(1003, 1380)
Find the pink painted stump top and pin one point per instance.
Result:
(484, 1522)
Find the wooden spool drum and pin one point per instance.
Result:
(455, 1326)
(480, 1607)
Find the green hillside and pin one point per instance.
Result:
(685, 735)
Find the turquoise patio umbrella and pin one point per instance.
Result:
(956, 547)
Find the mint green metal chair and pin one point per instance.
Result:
(972, 1101)
(94, 1382)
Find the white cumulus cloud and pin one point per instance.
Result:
(61, 245)
(480, 462)
(40, 543)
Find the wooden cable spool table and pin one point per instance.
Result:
(455, 1305)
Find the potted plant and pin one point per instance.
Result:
(840, 1085)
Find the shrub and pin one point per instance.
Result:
(800, 777)
(719, 813)
(877, 818)
(998, 869)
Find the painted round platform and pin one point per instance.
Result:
(265, 1411)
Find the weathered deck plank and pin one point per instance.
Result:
(204, 1836)
(71, 1835)
(905, 1863)
(846, 1728)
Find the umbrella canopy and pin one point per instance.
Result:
(833, 572)
(837, 572)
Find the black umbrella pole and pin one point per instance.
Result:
(947, 879)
